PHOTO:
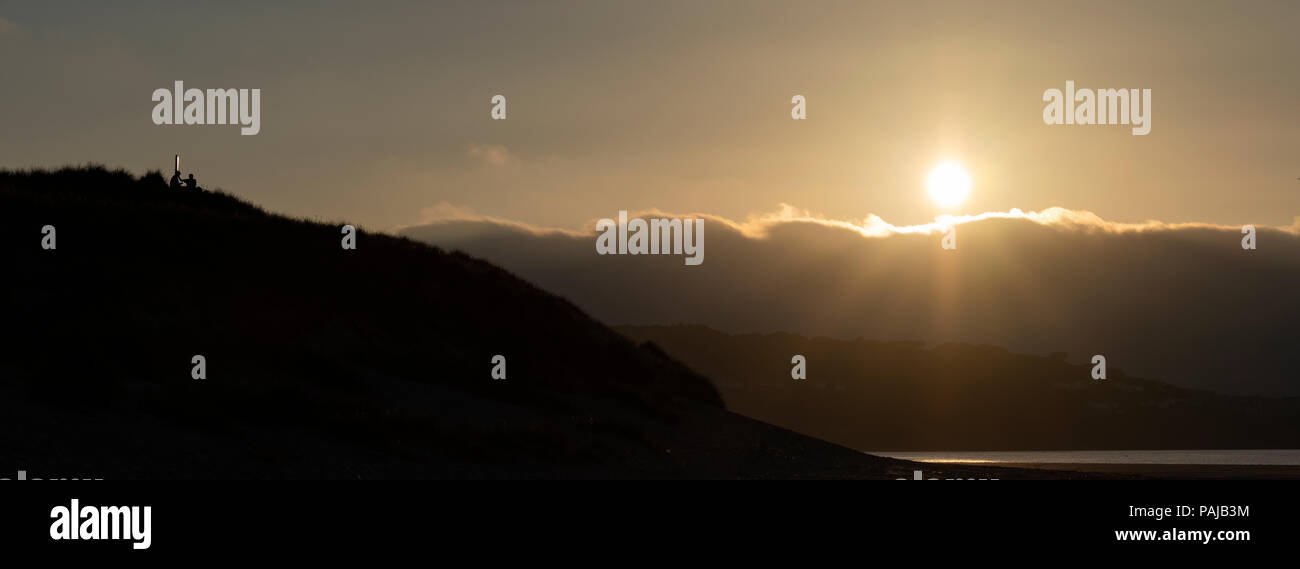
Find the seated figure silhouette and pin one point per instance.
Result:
(191, 183)
(176, 180)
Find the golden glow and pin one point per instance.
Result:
(948, 184)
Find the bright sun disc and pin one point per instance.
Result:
(949, 184)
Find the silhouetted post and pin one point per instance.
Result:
(175, 182)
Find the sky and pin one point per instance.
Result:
(378, 113)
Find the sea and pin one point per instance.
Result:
(1234, 457)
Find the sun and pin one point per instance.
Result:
(948, 184)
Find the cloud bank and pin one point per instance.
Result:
(758, 225)
(1178, 302)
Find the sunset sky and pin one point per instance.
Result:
(379, 114)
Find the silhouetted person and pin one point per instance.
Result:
(191, 183)
(176, 180)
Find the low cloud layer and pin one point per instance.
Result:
(1182, 303)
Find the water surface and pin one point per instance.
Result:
(1288, 457)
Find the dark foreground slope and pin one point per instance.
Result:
(323, 362)
(903, 396)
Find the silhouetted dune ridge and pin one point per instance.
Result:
(324, 362)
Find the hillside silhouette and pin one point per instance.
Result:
(326, 363)
(898, 396)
